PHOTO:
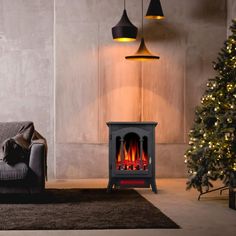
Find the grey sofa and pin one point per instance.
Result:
(28, 176)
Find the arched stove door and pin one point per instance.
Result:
(131, 152)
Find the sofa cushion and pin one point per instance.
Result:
(16, 172)
(10, 129)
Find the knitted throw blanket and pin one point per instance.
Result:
(17, 148)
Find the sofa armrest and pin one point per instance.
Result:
(37, 163)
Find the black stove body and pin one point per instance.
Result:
(132, 155)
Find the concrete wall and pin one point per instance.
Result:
(95, 84)
(231, 13)
(26, 65)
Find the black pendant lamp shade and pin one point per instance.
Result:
(124, 31)
(155, 10)
(142, 54)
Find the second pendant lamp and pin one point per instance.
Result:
(142, 53)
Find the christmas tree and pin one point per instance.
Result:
(212, 152)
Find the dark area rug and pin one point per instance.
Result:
(75, 209)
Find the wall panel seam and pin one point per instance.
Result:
(54, 88)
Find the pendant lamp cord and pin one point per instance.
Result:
(124, 5)
(142, 18)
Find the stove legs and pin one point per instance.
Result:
(154, 187)
(109, 186)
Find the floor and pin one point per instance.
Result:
(209, 216)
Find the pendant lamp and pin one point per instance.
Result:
(124, 31)
(155, 10)
(142, 53)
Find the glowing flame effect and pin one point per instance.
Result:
(131, 154)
